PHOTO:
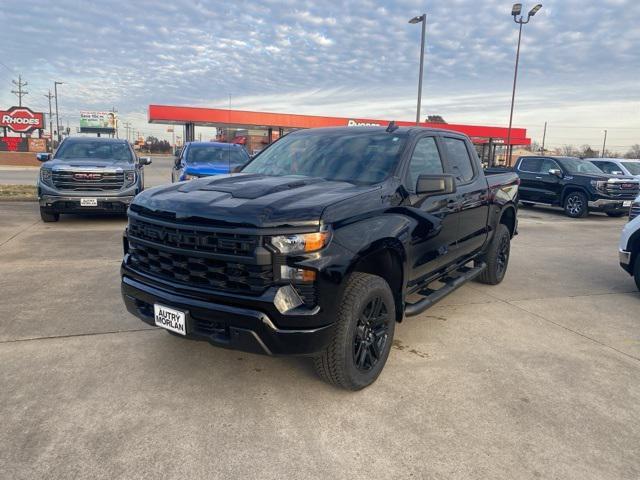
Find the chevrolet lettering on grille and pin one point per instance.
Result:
(186, 239)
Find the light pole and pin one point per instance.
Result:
(515, 11)
(604, 143)
(49, 96)
(55, 91)
(421, 19)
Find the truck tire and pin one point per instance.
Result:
(576, 205)
(49, 216)
(636, 271)
(617, 214)
(363, 335)
(497, 258)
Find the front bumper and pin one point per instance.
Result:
(248, 328)
(71, 204)
(609, 204)
(625, 260)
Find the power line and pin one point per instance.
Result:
(19, 92)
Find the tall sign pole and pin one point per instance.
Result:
(49, 97)
(55, 90)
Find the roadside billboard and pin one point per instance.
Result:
(98, 122)
(21, 119)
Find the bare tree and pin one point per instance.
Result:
(569, 151)
(634, 151)
(587, 152)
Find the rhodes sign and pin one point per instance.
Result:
(21, 119)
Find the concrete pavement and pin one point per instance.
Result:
(538, 377)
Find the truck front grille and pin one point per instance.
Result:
(87, 180)
(196, 271)
(194, 239)
(622, 190)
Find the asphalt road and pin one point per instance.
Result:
(538, 377)
(157, 173)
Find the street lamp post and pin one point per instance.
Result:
(515, 11)
(55, 91)
(420, 19)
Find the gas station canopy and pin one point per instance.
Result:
(222, 118)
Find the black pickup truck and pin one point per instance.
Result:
(576, 185)
(320, 244)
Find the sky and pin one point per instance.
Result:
(579, 66)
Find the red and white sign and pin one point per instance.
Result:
(21, 119)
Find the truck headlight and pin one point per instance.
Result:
(301, 243)
(599, 185)
(45, 175)
(130, 177)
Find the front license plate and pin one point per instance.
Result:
(627, 203)
(88, 202)
(170, 319)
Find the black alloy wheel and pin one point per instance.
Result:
(502, 257)
(371, 334)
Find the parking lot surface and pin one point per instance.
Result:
(538, 377)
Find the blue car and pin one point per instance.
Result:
(204, 159)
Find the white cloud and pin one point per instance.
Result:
(357, 58)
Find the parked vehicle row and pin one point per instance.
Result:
(576, 185)
(323, 242)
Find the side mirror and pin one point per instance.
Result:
(435, 184)
(144, 161)
(617, 172)
(555, 171)
(176, 162)
(43, 157)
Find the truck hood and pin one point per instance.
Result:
(250, 200)
(88, 163)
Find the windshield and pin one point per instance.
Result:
(358, 157)
(633, 167)
(216, 154)
(104, 151)
(575, 165)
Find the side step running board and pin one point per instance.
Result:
(450, 284)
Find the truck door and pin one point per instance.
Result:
(432, 247)
(472, 193)
(549, 185)
(529, 171)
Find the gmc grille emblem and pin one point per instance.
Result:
(87, 176)
(628, 185)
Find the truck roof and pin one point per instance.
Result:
(373, 128)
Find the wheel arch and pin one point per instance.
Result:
(386, 259)
(508, 218)
(570, 189)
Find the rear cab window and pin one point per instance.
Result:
(459, 159)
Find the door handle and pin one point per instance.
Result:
(538, 178)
